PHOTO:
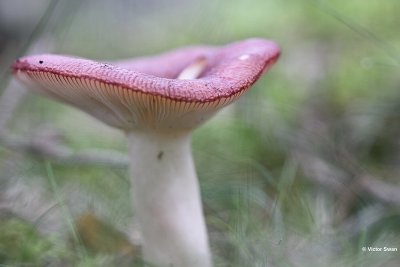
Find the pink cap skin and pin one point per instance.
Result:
(145, 93)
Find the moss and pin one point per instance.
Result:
(21, 244)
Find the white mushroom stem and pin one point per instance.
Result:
(167, 200)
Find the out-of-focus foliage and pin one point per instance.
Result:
(21, 244)
(286, 173)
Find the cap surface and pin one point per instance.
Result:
(146, 92)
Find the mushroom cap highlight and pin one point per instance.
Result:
(145, 93)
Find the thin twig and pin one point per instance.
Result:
(33, 36)
(359, 29)
(385, 191)
(56, 152)
(336, 180)
(35, 42)
(14, 93)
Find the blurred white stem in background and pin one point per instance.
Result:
(14, 93)
(9, 101)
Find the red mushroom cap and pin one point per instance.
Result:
(145, 93)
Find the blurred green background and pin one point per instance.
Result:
(302, 171)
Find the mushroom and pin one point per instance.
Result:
(157, 101)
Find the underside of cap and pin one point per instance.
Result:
(146, 93)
